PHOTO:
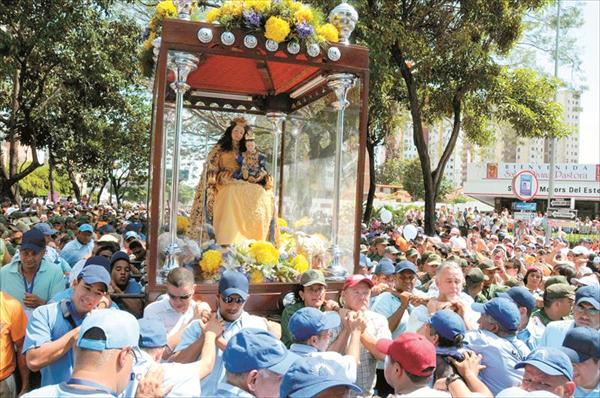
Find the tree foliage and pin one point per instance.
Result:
(36, 184)
(67, 75)
(536, 47)
(438, 58)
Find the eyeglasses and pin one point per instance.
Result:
(229, 300)
(588, 311)
(174, 297)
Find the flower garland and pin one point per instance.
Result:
(284, 20)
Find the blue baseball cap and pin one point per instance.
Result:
(308, 321)
(86, 228)
(98, 260)
(503, 310)
(131, 234)
(252, 348)
(33, 240)
(405, 265)
(152, 333)
(586, 294)
(364, 261)
(94, 274)
(448, 324)
(551, 361)
(120, 255)
(521, 296)
(120, 329)
(309, 376)
(385, 267)
(581, 344)
(45, 228)
(233, 282)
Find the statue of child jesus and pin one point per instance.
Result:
(253, 165)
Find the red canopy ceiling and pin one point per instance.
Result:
(247, 76)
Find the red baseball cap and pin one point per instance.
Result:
(412, 351)
(354, 280)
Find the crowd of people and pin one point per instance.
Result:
(486, 307)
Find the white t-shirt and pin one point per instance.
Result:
(173, 320)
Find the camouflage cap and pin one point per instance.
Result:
(433, 259)
(559, 290)
(391, 250)
(555, 279)
(380, 240)
(474, 276)
(412, 252)
(426, 255)
(486, 264)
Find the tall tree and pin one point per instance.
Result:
(439, 60)
(65, 64)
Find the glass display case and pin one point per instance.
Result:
(307, 114)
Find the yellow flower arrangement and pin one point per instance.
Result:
(166, 8)
(276, 29)
(327, 32)
(281, 222)
(304, 14)
(303, 222)
(264, 252)
(211, 261)
(182, 224)
(293, 5)
(256, 276)
(257, 5)
(233, 8)
(213, 15)
(300, 263)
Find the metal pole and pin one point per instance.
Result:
(276, 119)
(552, 139)
(340, 83)
(181, 64)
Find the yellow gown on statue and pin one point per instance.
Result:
(239, 210)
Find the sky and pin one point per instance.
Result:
(589, 139)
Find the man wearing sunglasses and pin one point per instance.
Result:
(231, 299)
(585, 313)
(177, 308)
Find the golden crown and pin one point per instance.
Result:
(239, 120)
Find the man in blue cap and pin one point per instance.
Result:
(80, 247)
(231, 299)
(311, 332)
(52, 254)
(582, 345)
(105, 356)
(497, 342)
(586, 312)
(529, 332)
(383, 277)
(546, 370)
(184, 378)
(31, 278)
(315, 377)
(255, 362)
(53, 328)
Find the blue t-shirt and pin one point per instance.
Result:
(75, 251)
(193, 332)
(47, 324)
(581, 393)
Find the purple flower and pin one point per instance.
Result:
(146, 33)
(304, 30)
(252, 18)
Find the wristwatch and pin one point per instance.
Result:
(451, 379)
